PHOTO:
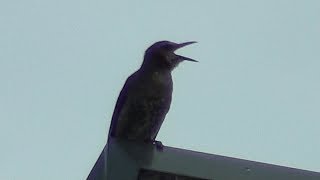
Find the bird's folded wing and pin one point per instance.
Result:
(123, 96)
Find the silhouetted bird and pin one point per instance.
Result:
(146, 96)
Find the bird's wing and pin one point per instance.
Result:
(120, 103)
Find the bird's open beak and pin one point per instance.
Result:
(183, 45)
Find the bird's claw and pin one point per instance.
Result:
(158, 144)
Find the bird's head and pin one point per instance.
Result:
(161, 55)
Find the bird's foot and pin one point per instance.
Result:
(158, 144)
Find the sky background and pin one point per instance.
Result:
(253, 95)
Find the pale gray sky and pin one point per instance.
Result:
(253, 95)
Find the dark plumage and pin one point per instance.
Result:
(146, 96)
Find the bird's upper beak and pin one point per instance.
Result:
(178, 46)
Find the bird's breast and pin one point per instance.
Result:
(154, 89)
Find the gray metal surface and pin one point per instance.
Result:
(123, 160)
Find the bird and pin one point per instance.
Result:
(146, 96)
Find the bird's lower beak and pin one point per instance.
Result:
(183, 45)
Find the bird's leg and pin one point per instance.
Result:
(158, 144)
